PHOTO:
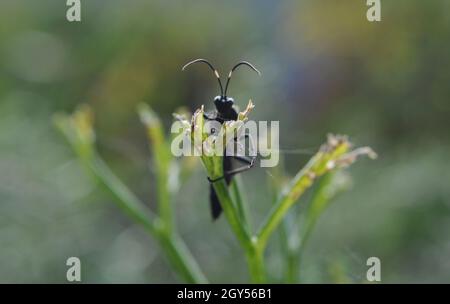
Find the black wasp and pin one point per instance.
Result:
(225, 111)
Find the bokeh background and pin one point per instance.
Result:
(325, 68)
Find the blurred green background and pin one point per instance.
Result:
(325, 68)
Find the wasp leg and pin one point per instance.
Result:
(249, 161)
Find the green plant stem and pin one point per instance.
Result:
(255, 261)
(319, 202)
(295, 252)
(242, 207)
(231, 214)
(161, 162)
(292, 266)
(179, 256)
(254, 254)
(287, 251)
(123, 198)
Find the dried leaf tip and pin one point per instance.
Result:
(244, 115)
(350, 157)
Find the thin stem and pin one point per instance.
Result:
(254, 253)
(292, 268)
(241, 204)
(296, 249)
(124, 198)
(287, 251)
(231, 214)
(255, 261)
(161, 161)
(285, 242)
(319, 202)
(326, 190)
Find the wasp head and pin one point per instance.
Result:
(223, 103)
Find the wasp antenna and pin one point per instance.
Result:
(235, 67)
(216, 73)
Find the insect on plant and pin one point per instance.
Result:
(225, 111)
(333, 156)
